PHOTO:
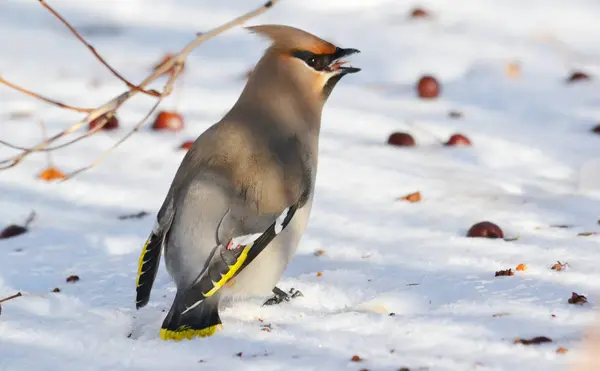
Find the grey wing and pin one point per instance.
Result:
(230, 258)
(149, 260)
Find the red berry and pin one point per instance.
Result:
(401, 139)
(485, 229)
(578, 76)
(596, 129)
(166, 120)
(12, 230)
(419, 13)
(458, 140)
(428, 87)
(111, 124)
(186, 145)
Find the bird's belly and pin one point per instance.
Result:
(260, 276)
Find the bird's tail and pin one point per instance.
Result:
(200, 321)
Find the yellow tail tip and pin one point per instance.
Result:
(187, 333)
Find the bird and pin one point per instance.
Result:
(240, 201)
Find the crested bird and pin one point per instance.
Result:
(241, 198)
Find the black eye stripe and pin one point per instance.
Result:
(317, 61)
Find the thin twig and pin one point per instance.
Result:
(166, 91)
(113, 104)
(93, 50)
(11, 297)
(41, 97)
(45, 137)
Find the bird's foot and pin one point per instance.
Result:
(279, 296)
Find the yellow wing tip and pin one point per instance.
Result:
(141, 261)
(187, 333)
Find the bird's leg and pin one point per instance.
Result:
(279, 296)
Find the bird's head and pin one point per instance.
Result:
(306, 61)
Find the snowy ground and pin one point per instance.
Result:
(531, 137)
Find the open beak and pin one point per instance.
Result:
(338, 65)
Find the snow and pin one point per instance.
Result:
(531, 140)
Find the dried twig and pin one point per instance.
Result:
(11, 297)
(42, 98)
(175, 63)
(93, 50)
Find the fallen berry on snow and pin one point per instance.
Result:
(73, 279)
(319, 274)
(319, 252)
(578, 76)
(56, 289)
(562, 350)
(14, 230)
(419, 13)
(356, 358)
(428, 87)
(186, 145)
(485, 229)
(401, 140)
(166, 120)
(458, 140)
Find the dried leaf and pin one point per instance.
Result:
(577, 299)
(501, 314)
(51, 174)
(139, 215)
(533, 341)
(562, 350)
(72, 279)
(560, 266)
(513, 70)
(56, 289)
(455, 114)
(411, 197)
(356, 358)
(585, 234)
(319, 252)
(16, 115)
(506, 272)
(522, 267)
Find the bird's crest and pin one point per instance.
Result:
(287, 38)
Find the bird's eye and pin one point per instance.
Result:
(312, 61)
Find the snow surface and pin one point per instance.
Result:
(531, 138)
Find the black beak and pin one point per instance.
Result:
(341, 53)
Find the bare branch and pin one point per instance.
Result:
(166, 91)
(93, 50)
(40, 97)
(11, 297)
(175, 63)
